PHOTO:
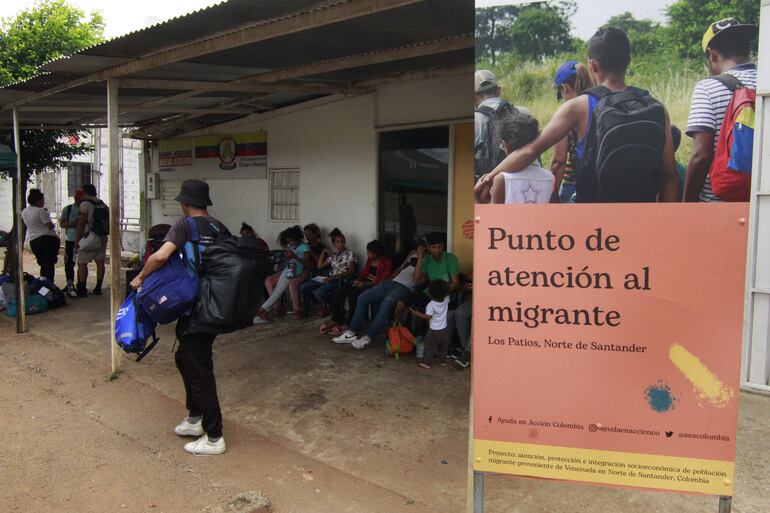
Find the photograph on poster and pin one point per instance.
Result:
(592, 104)
(614, 145)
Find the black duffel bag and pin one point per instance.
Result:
(232, 285)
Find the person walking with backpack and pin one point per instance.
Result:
(720, 163)
(40, 233)
(637, 165)
(490, 108)
(93, 230)
(572, 79)
(68, 221)
(193, 356)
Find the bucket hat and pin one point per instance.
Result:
(194, 192)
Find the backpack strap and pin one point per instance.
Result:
(149, 347)
(729, 80)
(486, 110)
(638, 90)
(599, 91)
(195, 238)
(140, 356)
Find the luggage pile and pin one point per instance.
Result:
(40, 295)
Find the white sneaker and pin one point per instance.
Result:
(362, 342)
(346, 338)
(205, 447)
(187, 428)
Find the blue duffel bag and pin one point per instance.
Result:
(169, 292)
(133, 327)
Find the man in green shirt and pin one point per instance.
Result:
(433, 263)
(68, 220)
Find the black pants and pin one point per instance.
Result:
(194, 360)
(437, 345)
(417, 300)
(345, 293)
(69, 260)
(46, 250)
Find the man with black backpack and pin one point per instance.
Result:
(723, 172)
(194, 355)
(490, 108)
(625, 151)
(93, 229)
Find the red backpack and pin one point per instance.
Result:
(730, 170)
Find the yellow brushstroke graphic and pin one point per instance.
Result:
(707, 385)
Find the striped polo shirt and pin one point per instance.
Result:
(708, 106)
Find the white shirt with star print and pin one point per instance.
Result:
(533, 184)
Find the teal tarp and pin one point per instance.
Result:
(7, 157)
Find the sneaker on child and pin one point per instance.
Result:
(206, 447)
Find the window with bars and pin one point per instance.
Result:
(284, 194)
(78, 174)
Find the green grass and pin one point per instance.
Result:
(670, 80)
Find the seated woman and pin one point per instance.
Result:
(248, 231)
(386, 295)
(313, 238)
(377, 269)
(342, 262)
(296, 249)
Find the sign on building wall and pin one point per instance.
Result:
(216, 156)
(607, 344)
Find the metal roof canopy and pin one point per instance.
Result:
(242, 57)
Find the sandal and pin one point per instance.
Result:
(336, 331)
(323, 328)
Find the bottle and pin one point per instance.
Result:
(419, 347)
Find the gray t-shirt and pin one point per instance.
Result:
(406, 276)
(87, 208)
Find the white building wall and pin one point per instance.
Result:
(130, 156)
(335, 147)
(6, 207)
(756, 334)
(425, 101)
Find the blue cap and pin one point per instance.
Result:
(565, 71)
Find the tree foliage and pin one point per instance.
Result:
(493, 31)
(542, 30)
(646, 36)
(689, 19)
(48, 30)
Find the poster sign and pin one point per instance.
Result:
(607, 343)
(235, 155)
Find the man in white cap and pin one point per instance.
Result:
(490, 108)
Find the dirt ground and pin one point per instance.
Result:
(318, 427)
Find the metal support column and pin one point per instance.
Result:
(115, 214)
(725, 504)
(478, 492)
(21, 307)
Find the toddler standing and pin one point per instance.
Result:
(438, 337)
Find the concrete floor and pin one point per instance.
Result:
(384, 421)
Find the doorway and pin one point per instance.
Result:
(413, 188)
